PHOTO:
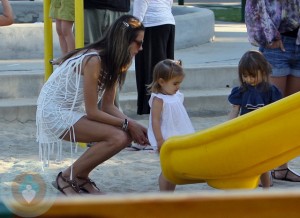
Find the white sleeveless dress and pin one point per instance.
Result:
(60, 105)
(174, 118)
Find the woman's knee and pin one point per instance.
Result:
(120, 139)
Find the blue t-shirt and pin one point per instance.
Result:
(253, 97)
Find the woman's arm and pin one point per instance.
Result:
(91, 74)
(156, 109)
(235, 110)
(7, 18)
(137, 132)
(109, 114)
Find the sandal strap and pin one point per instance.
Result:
(87, 181)
(71, 183)
(279, 170)
(275, 170)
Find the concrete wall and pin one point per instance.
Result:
(27, 11)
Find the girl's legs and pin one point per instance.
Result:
(164, 184)
(288, 85)
(65, 35)
(111, 141)
(265, 180)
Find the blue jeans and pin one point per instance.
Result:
(284, 63)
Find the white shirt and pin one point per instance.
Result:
(154, 12)
(174, 118)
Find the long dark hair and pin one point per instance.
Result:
(114, 50)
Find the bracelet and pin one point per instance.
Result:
(125, 125)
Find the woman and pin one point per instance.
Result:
(273, 25)
(158, 45)
(97, 69)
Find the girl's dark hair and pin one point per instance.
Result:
(166, 70)
(114, 50)
(250, 64)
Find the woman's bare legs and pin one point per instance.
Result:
(111, 141)
(288, 86)
(65, 35)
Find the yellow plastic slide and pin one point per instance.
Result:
(235, 153)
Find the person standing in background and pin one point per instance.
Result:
(63, 12)
(273, 25)
(158, 45)
(98, 16)
(7, 17)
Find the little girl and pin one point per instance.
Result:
(168, 116)
(254, 92)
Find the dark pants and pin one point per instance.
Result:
(158, 45)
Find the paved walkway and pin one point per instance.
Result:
(229, 45)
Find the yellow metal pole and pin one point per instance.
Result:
(79, 24)
(79, 33)
(48, 40)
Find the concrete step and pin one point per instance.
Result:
(20, 84)
(20, 109)
(198, 103)
(205, 102)
(197, 77)
(27, 84)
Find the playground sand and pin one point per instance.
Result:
(127, 172)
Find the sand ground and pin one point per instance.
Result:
(127, 172)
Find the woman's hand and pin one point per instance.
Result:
(138, 132)
(276, 44)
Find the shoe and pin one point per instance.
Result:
(285, 176)
(88, 181)
(71, 184)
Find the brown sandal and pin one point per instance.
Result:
(87, 181)
(71, 184)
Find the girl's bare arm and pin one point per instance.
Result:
(235, 110)
(156, 109)
(109, 113)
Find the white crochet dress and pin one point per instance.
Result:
(59, 106)
(174, 118)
